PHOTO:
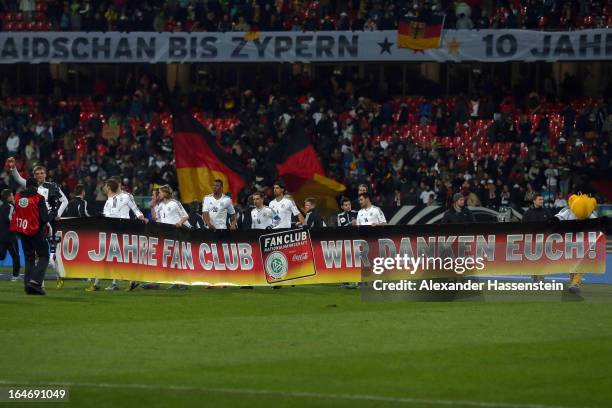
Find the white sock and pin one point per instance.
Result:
(52, 263)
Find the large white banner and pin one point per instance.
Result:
(295, 46)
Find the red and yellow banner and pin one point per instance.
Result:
(130, 250)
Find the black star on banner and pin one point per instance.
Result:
(385, 46)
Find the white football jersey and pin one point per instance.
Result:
(120, 205)
(218, 210)
(171, 212)
(284, 209)
(262, 218)
(371, 216)
(566, 215)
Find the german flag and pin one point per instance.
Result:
(200, 160)
(301, 170)
(420, 33)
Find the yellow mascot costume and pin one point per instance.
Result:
(579, 207)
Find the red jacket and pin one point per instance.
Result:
(31, 215)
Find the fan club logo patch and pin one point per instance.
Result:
(287, 255)
(277, 265)
(23, 202)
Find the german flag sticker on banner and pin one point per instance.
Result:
(419, 33)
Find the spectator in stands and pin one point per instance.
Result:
(551, 174)
(482, 22)
(12, 144)
(458, 213)
(241, 25)
(537, 212)
(463, 8)
(490, 197)
(464, 22)
(154, 15)
(560, 201)
(373, 149)
(32, 153)
(27, 7)
(549, 196)
(505, 196)
(427, 196)
(76, 18)
(530, 194)
(65, 18)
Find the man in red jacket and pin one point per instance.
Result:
(29, 221)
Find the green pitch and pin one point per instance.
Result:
(304, 346)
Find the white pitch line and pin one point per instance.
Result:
(290, 394)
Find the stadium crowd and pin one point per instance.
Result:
(495, 147)
(296, 15)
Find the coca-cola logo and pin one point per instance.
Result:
(300, 257)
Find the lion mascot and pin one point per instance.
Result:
(579, 207)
